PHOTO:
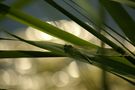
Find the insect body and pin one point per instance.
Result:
(76, 54)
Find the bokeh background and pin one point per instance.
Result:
(52, 73)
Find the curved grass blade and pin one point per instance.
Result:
(121, 17)
(26, 54)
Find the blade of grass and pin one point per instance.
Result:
(121, 17)
(97, 59)
(72, 51)
(88, 18)
(45, 27)
(26, 54)
(119, 34)
(110, 64)
(59, 47)
(99, 26)
(91, 30)
(56, 48)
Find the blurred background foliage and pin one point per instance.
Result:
(58, 73)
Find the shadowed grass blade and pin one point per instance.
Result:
(121, 17)
(91, 30)
(110, 64)
(26, 54)
(56, 48)
(98, 26)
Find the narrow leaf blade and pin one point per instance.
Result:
(121, 17)
(26, 54)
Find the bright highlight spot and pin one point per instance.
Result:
(73, 70)
(23, 65)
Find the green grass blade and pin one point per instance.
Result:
(98, 25)
(121, 17)
(113, 30)
(111, 64)
(26, 54)
(56, 48)
(84, 25)
(117, 67)
(51, 45)
(91, 30)
(59, 47)
(45, 27)
(89, 19)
